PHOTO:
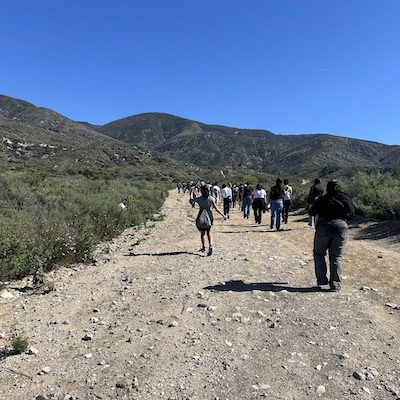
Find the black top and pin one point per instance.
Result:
(247, 190)
(276, 192)
(316, 191)
(333, 206)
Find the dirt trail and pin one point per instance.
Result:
(156, 319)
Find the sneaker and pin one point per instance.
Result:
(334, 287)
(202, 250)
(210, 250)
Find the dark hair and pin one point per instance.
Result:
(333, 187)
(205, 192)
(286, 181)
(316, 181)
(279, 181)
(259, 186)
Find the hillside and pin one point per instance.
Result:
(260, 150)
(33, 133)
(36, 137)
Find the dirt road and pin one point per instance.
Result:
(156, 319)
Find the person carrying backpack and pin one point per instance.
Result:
(287, 200)
(332, 211)
(205, 219)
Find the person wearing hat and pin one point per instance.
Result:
(332, 211)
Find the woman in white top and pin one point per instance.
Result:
(258, 198)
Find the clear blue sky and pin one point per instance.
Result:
(288, 66)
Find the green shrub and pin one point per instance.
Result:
(20, 343)
(375, 196)
(46, 220)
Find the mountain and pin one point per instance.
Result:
(33, 133)
(261, 150)
(33, 136)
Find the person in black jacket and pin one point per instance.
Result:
(332, 211)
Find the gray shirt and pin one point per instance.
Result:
(205, 203)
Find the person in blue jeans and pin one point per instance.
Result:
(246, 200)
(276, 204)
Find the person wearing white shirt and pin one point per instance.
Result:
(259, 198)
(226, 194)
(216, 192)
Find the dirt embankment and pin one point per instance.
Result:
(156, 319)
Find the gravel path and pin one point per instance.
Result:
(156, 319)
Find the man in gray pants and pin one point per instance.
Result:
(332, 211)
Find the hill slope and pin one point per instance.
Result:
(33, 133)
(254, 149)
(38, 137)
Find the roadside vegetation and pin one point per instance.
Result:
(48, 220)
(376, 196)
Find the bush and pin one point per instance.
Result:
(20, 343)
(46, 221)
(375, 196)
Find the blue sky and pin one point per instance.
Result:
(288, 66)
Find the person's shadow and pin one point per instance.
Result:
(240, 286)
(169, 253)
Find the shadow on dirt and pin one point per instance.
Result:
(240, 286)
(7, 352)
(389, 230)
(169, 253)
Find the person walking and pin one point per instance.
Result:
(287, 200)
(258, 198)
(316, 191)
(332, 211)
(206, 202)
(275, 197)
(226, 194)
(246, 200)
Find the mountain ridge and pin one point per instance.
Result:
(211, 146)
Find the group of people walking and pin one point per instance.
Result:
(277, 200)
(329, 213)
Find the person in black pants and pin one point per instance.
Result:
(332, 211)
(226, 194)
(287, 200)
(258, 198)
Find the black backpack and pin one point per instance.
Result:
(203, 220)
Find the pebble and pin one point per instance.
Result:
(5, 294)
(321, 389)
(365, 373)
(87, 336)
(33, 350)
(45, 370)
